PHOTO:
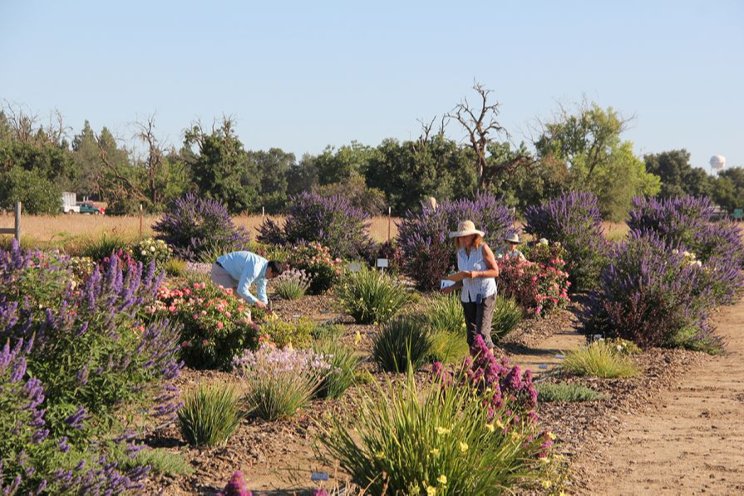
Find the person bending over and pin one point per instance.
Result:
(241, 269)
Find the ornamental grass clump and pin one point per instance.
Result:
(292, 284)
(193, 226)
(428, 253)
(371, 296)
(507, 315)
(280, 382)
(341, 375)
(652, 294)
(404, 342)
(438, 440)
(599, 359)
(574, 221)
(210, 415)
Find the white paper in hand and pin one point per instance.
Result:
(446, 283)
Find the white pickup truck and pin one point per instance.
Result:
(69, 203)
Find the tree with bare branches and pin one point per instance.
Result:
(481, 124)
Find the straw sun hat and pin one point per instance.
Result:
(512, 238)
(465, 228)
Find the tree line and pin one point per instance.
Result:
(578, 149)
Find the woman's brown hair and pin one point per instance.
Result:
(477, 241)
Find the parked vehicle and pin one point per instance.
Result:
(89, 208)
(69, 203)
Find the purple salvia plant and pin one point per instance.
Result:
(329, 220)
(653, 294)
(423, 236)
(574, 221)
(687, 223)
(195, 227)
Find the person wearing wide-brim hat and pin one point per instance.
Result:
(477, 273)
(511, 251)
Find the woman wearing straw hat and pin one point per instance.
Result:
(512, 251)
(477, 278)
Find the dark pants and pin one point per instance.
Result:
(478, 319)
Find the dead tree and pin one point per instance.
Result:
(481, 124)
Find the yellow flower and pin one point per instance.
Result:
(442, 479)
(499, 424)
(431, 491)
(435, 452)
(358, 337)
(463, 447)
(490, 427)
(545, 460)
(514, 434)
(442, 430)
(380, 454)
(551, 436)
(546, 484)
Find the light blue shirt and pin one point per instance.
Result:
(471, 288)
(247, 268)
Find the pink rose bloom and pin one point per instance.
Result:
(220, 325)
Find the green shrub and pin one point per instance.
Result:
(151, 250)
(316, 261)
(280, 382)
(160, 461)
(216, 325)
(175, 267)
(599, 359)
(371, 296)
(568, 392)
(100, 248)
(448, 347)
(328, 332)
(402, 343)
(342, 374)
(298, 333)
(209, 415)
(441, 441)
(292, 284)
(507, 314)
(444, 313)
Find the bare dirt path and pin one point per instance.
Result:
(691, 440)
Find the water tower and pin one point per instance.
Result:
(717, 163)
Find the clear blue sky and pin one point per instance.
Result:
(302, 75)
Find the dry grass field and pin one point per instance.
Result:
(64, 230)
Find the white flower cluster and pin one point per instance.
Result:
(690, 257)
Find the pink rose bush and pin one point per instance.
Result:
(540, 284)
(216, 324)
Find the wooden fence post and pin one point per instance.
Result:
(390, 221)
(140, 223)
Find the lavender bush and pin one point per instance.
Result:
(91, 344)
(687, 222)
(331, 221)
(35, 461)
(423, 236)
(653, 294)
(574, 221)
(195, 228)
